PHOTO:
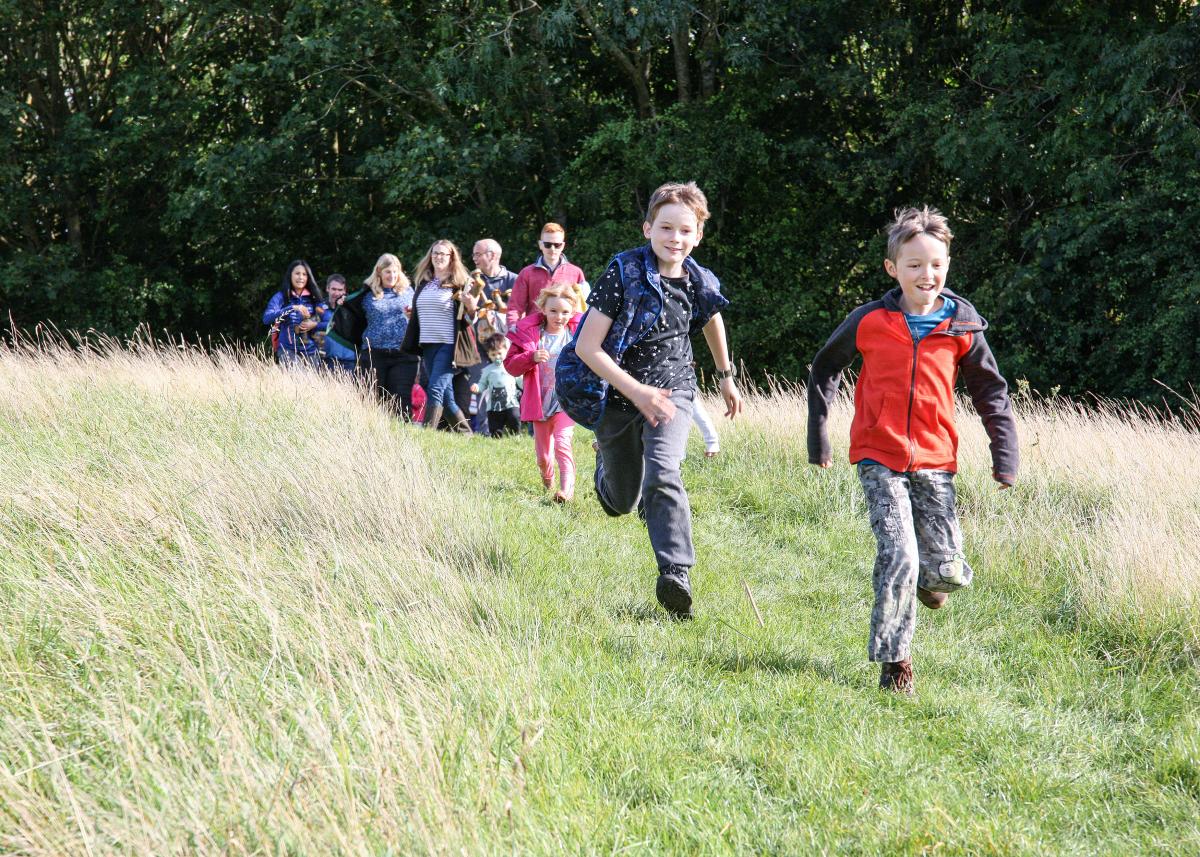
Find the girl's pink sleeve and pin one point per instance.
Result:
(519, 359)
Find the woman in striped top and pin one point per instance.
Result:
(439, 279)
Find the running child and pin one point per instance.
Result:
(628, 376)
(537, 341)
(914, 343)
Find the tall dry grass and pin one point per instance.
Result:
(234, 587)
(1107, 502)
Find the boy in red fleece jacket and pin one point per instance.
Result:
(914, 343)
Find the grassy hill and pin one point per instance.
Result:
(244, 612)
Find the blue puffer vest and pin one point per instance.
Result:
(581, 391)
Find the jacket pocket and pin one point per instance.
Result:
(883, 428)
(933, 431)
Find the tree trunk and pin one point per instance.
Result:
(681, 45)
(635, 66)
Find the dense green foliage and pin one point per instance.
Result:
(162, 161)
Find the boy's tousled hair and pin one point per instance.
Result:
(495, 342)
(334, 278)
(677, 193)
(552, 227)
(908, 223)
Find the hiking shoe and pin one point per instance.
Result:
(597, 480)
(932, 600)
(897, 677)
(674, 591)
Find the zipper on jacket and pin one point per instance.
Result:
(912, 392)
(912, 397)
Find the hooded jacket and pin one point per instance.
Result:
(525, 338)
(581, 391)
(530, 282)
(904, 398)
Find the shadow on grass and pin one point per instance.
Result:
(778, 662)
(641, 611)
(743, 654)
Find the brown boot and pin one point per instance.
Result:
(932, 600)
(433, 416)
(461, 424)
(897, 676)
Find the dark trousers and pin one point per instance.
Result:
(394, 375)
(501, 423)
(638, 461)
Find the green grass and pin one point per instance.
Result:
(246, 613)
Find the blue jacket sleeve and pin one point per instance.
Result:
(275, 308)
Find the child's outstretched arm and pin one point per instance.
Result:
(989, 395)
(654, 403)
(714, 335)
(823, 381)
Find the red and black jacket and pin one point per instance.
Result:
(904, 398)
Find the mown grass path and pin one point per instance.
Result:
(1026, 735)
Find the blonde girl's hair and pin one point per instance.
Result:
(375, 282)
(458, 271)
(568, 292)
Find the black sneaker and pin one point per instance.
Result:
(674, 591)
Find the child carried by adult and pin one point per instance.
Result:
(914, 343)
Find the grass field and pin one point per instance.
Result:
(247, 613)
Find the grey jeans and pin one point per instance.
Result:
(640, 461)
(919, 543)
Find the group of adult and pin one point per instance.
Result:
(403, 333)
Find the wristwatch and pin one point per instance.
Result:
(722, 374)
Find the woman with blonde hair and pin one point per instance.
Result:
(436, 319)
(374, 320)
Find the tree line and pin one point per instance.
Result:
(162, 161)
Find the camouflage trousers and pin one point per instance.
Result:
(919, 544)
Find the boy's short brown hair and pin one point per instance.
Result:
(552, 227)
(907, 223)
(495, 342)
(676, 193)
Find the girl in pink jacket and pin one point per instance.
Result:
(536, 342)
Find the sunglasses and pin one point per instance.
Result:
(552, 245)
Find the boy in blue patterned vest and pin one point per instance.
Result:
(628, 376)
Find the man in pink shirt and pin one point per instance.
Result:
(551, 267)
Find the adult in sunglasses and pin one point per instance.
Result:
(551, 268)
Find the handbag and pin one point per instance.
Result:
(466, 353)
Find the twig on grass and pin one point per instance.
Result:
(753, 603)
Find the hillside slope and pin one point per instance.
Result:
(244, 612)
